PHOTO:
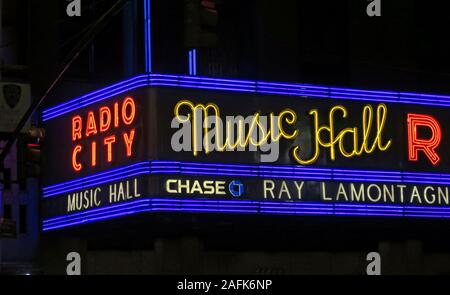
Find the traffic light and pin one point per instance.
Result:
(201, 24)
(29, 155)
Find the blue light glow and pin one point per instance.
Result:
(187, 205)
(193, 62)
(148, 36)
(257, 87)
(239, 170)
(97, 179)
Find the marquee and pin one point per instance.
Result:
(166, 143)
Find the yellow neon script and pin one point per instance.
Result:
(243, 137)
(337, 140)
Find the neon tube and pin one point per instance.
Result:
(240, 207)
(250, 171)
(245, 86)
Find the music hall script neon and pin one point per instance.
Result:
(327, 138)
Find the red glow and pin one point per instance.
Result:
(128, 139)
(76, 166)
(94, 154)
(116, 114)
(108, 142)
(128, 118)
(76, 127)
(109, 120)
(416, 144)
(105, 119)
(91, 127)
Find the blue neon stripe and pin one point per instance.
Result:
(239, 170)
(105, 91)
(257, 87)
(94, 97)
(190, 62)
(96, 176)
(246, 207)
(194, 62)
(97, 179)
(224, 80)
(148, 36)
(192, 55)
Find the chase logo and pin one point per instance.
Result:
(236, 188)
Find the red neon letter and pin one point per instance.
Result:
(128, 119)
(76, 128)
(108, 142)
(105, 118)
(116, 114)
(76, 166)
(91, 127)
(129, 141)
(94, 154)
(416, 144)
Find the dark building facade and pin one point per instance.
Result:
(323, 56)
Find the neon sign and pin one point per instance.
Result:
(364, 147)
(199, 114)
(379, 156)
(274, 132)
(207, 187)
(416, 144)
(103, 122)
